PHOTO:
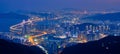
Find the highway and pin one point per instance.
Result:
(31, 38)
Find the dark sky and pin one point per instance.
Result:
(37, 5)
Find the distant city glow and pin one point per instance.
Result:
(60, 29)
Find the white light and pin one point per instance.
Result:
(35, 40)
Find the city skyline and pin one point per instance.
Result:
(59, 26)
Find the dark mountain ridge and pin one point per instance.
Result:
(15, 48)
(107, 45)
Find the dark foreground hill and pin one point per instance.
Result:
(14, 48)
(108, 45)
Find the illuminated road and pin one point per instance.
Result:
(18, 27)
(31, 38)
(43, 49)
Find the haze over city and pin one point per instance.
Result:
(59, 26)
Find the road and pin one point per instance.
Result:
(31, 38)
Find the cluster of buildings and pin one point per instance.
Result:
(54, 34)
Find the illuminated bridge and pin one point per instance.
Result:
(18, 27)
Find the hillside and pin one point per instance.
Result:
(14, 48)
(107, 45)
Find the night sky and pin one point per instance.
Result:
(37, 5)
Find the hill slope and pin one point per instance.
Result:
(13, 48)
(108, 45)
